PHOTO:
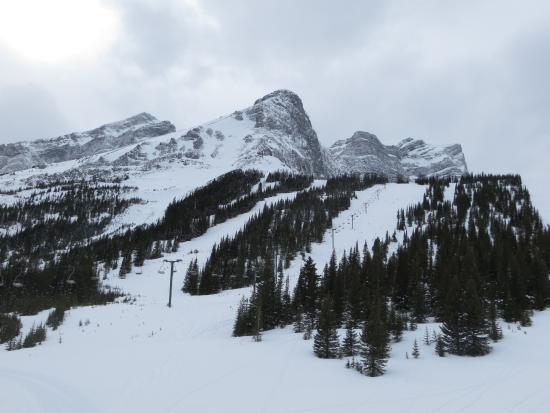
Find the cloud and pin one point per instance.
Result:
(159, 35)
(28, 111)
(474, 72)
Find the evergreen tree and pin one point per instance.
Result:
(126, 265)
(191, 282)
(427, 340)
(305, 293)
(326, 343)
(476, 334)
(157, 250)
(286, 305)
(308, 327)
(244, 321)
(374, 343)
(440, 346)
(267, 296)
(396, 326)
(350, 343)
(415, 351)
(495, 331)
(452, 329)
(299, 323)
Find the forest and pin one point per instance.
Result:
(468, 263)
(54, 251)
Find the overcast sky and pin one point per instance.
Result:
(473, 72)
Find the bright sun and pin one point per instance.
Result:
(56, 30)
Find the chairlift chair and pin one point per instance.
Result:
(161, 269)
(17, 282)
(70, 279)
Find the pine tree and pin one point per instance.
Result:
(157, 250)
(309, 322)
(427, 340)
(326, 343)
(126, 265)
(305, 293)
(452, 329)
(267, 296)
(286, 305)
(476, 334)
(396, 326)
(415, 351)
(350, 343)
(440, 346)
(175, 245)
(495, 331)
(243, 322)
(299, 324)
(525, 319)
(191, 282)
(374, 343)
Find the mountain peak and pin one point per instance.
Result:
(283, 111)
(142, 117)
(281, 95)
(366, 137)
(138, 120)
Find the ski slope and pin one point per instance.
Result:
(145, 357)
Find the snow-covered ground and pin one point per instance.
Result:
(146, 357)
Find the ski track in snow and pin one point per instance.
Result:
(145, 357)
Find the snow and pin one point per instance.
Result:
(146, 357)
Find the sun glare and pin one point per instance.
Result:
(56, 30)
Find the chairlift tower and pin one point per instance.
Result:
(171, 262)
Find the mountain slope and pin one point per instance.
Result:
(153, 358)
(39, 153)
(275, 132)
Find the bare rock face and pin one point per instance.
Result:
(41, 152)
(364, 153)
(421, 159)
(283, 130)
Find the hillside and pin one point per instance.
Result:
(143, 356)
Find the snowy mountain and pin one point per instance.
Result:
(364, 152)
(422, 159)
(39, 153)
(274, 133)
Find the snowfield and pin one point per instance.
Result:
(145, 357)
